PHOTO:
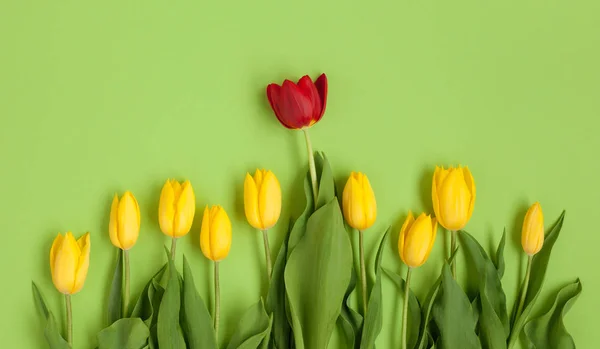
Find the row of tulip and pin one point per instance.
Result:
(312, 278)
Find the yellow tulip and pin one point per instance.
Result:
(453, 194)
(360, 208)
(215, 234)
(124, 225)
(532, 235)
(69, 262)
(176, 208)
(262, 199)
(416, 239)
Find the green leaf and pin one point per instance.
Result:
(276, 299)
(148, 304)
(494, 326)
(453, 316)
(316, 277)
(538, 273)
(548, 331)
(350, 320)
(51, 329)
(115, 298)
(326, 181)
(299, 227)
(169, 331)
(129, 333)
(253, 328)
(374, 318)
(196, 321)
(414, 311)
(499, 260)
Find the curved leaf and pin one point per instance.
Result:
(350, 320)
(129, 333)
(414, 311)
(196, 321)
(316, 277)
(115, 297)
(253, 328)
(299, 227)
(548, 331)
(373, 320)
(169, 331)
(51, 330)
(453, 316)
(326, 183)
(499, 260)
(538, 273)
(148, 304)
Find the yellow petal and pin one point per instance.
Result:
(184, 211)
(176, 189)
(471, 185)
(369, 202)
(408, 222)
(56, 244)
(251, 203)
(83, 263)
(434, 192)
(220, 234)
(532, 236)
(353, 203)
(205, 234)
(65, 264)
(166, 209)
(455, 200)
(258, 178)
(418, 241)
(114, 223)
(433, 235)
(269, 200)
(128, 221)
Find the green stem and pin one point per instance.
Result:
(452, 249)
(311, 165)
(267, 254)
(173, 248)
(69, 320)
(363, 272)
(405, 308)
(126, 287)
(217, 300)
(514, 335)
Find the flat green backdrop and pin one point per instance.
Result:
(102, 97)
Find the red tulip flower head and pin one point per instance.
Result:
(299, 105)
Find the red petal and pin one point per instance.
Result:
(310, 91)
(321, 85)
(273, 94)
(295, 107)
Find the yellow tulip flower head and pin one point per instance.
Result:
(69, 262)
(360, 207)
(176, 208)
(262, 199)
(416, 239)
(453, 194)
(215, 235)
(124, 225)
(532, 235)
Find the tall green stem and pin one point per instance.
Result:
(173, 247)
(405, 308)
(69, 320)
(452, 249)
(217, 301)
(311, 165)
(126, 286)
(267, 254)
(363, 272)
(514, 335)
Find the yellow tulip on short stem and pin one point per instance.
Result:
(176, 210)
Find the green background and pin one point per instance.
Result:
(102, 97)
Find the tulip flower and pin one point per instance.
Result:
(215, 242)
(69, 262)
(299, 106)
(453, 194)
(414, 246)
(360, 211)
(124, 229)
(262, 205)
(532, 239)
(176, 210)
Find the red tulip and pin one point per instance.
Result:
(299, 105)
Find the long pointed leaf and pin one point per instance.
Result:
(51, 329)
(350, 320)
(414, 311)
(253, 328)
(169, 331)
(115, 297)
(128, 333)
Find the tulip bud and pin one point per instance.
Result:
(299, 105)
(262, 199)
(124, 225)
(360, 208)
(453, 194)
(532, 235)
(215, 235)
(176, 208)
(416, 239)
(69, 262)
